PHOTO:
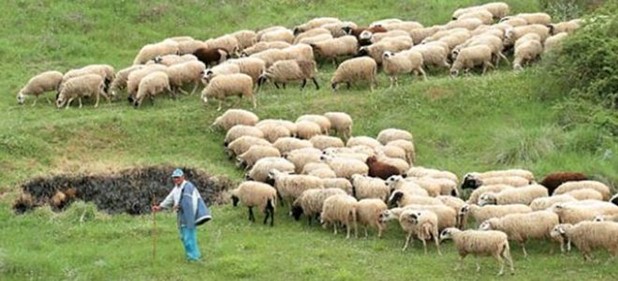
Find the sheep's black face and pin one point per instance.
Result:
(362, 52)
(235, 200)
(396, 197)
(296, 212)
(270, 180)
(614, 200)
(130, 99)
(470, 183)
(261, 80)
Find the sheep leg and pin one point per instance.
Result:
(507, 256)
(424, 245)
(284, 84)
(523, 247)
(408, 239)
(251, 216)
(254, 101)
(317, 87)
(349, 85)
(219, 108)
(347, 226)
(96, 103)
(420, 69)
(437, 242)
(276, 85)
(36, 99)
(335, 228)
(194, 88)
(486, 65)
(302, 85)
(80, 102)
(501, 262)
(392, 79)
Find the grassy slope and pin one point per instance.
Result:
(471, 123)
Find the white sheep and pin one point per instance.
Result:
(368, 187)
(310, 33)
(543, 203)
(554, 42)
(135, 76)
(480, 243)
(522, 227)
(513, 34)
(270, 56)
(402, 63)
(356, 69)
(521, 195)
(307, 129)
(345, 167)
(336, 47)
(434, 53)
(89, 85)
(483, 213)
(287, 144)
(151, 85)
(526, 52)
(259, 171)
(482, 189)
(262, 46)
(289, 187)
(577, 211)
(240, 130)
(587, 236)
(341, 122)
(402, 198)
(255, 153)
(227, 42)
(314, 23)
(311, 202)
(472, 56)
(397, 182)
(221, 69)
(573, 185)
(223, 86)
(285, 71)
(303, 156)
(245, 38)
(585, 194)
(423, 224)
(407, 146)
(497, 9)
(322, 142)
(244, 143)
(169, 60)
(566, 26)
(233, 117)
(275, 33)
(420, 171)
(368, 214)
(43, 82)
(273, 130)
(341, 183)
(256, 194)
(150, 51)
(535, 18)
(122, 77)
(340, 209)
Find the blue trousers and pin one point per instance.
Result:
(188, 237)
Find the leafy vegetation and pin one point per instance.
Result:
(472, 123)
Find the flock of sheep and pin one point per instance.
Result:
(316, 168)
(237, 64)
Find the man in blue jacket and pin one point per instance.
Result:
(183, 200)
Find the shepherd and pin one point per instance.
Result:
(191, 211)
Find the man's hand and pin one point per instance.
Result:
(155, 208)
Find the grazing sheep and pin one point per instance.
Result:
(387, 135)
(338, 29)
(314, 23)
(480, 243)
(263, 46)
(185, 73)
(341, 122)
(259, 171)
(587, 236)
(393, 44)
(357, 31)
(289, 187)
(411, 188)
(585, 194)
(255, 153)
(340, 209)
(89, 85)
(423, 224)
(476, 193)
(106, 72)
(554, 42)
(543, 203)
(483, 213)
(428, 184)
(355, 69)
(363, 140)
(287, 144)
(221, 69)
(402, 63)
(573, 185)
(311, 202)
(380, 169)
(169, 60)
(434, 53)
(526, 52)
(484, 15)
(135, 76)
(368, 214)
(253, 67)
(307, 129)
(150, 51)
(577, 211)
(512, 35)
(341, 183)
(271, 56)
(276, 33)
(566, 26)
(299, 51)
(497, 9)
(121, 80)
(226, 42)
(286, 71)
(474, 180)
(345, 167)
(153, 84)
(535, 18)
(322, 142)
(256, 194)
(364, 187)
(555, 179)
(521, 195)
(402, 198)
(407, 146)
(245, 38)
(315, 39)
(233, 117)
(273, 130)
(419, 171)
(521, 227)
(223, 86)
(244, 143)
(472, 56)
(467, 23)
(336, 47)
(310, 33)
(43, 82)
(241, 130)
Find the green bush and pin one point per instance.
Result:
(562, 10)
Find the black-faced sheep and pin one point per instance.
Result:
(311, 202)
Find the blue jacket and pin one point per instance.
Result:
(192, 210)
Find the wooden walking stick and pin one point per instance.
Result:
(154, 229)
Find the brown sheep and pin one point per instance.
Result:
(553, 180)
(379, 169)
(211, 56)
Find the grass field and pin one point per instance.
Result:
(471, 123)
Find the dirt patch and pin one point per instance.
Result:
(126, 191)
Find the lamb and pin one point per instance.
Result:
(285, 71)
(483, 213)
(355, 69)
(256, 194)
(322, 142)
(521, 227)
(263, 46)
(588, 236)
(241, 130)
(368, 214)
(380, 169)
(153, 84)
(253, 67)
(423, 224)
(255, 153)
(221, 69)
(150, 51)
(311, 202)
(340, 209)
(43, 82)
(521, 195)
(233, 117)
(543, 203)
(135, 76)
(596, 185)
(341, 122)
(401, 63)
(289, 187)
(81, 86)
(478, 242)
(345, 168)
(472, 56)
(287, 144)
(336, 47)
(122, 77)
(259, 171)
(364, 187)
(555, 179)
(244, 143)
(526, 52)
(223, 86)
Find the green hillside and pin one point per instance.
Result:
(471, 123)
